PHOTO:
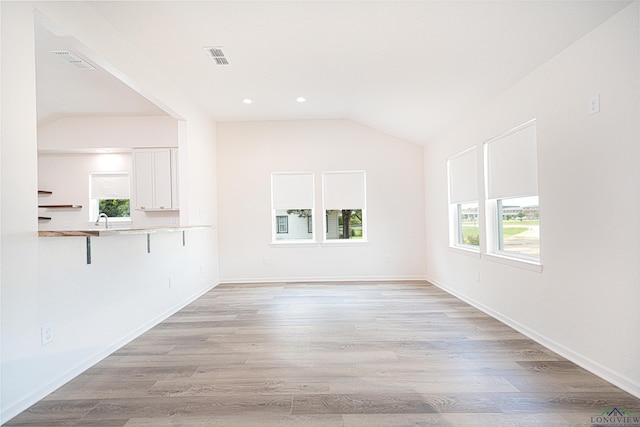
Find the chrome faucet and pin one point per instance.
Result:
(106, 220)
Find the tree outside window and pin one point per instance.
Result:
(115, 208)
(344, 224)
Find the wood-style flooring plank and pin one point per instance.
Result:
(330, 354)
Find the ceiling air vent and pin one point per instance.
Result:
(217, 55)
(73, 60)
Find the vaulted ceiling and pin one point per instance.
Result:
(408, 68)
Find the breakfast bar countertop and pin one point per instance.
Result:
(116, 231)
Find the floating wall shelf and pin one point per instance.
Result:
(61, 206)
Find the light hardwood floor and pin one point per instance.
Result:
(330, 354)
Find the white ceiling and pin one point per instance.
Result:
(411, 69)
(64, 90)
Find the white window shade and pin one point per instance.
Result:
(109, 186)
(511, 163)
(463, 177)
(292, 190)
(344, 190)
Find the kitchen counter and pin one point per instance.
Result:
(99, 232)
(118, 231)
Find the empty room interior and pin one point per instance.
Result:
(341, 213)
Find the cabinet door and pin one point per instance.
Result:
(143, 176)
(162, 175)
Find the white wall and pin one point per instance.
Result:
(584, 304)
(72, 133)
(247, 155)
(93, 308)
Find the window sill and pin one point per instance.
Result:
(514, 262)
(475, 253)
(345, 242)
(294, 244)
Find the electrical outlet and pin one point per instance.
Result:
(477, 276)
(594, 104)
(46, 334)
(266, 260)
(171, 282)
(387, 258)
(66, 223)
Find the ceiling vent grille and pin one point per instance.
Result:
(73, 60)
(217, 55)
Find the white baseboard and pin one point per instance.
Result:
(67, 376)
(324, 279)
(590, 365)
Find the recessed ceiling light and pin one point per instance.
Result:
(301, 99)
(247, 101)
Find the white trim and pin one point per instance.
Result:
(584, 362)
(462, 153)
(328, 279)
(18, 407)
(514, 262)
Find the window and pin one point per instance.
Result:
(463, 200)
(512, 193)
(292, 202)
(468, 229)
(109, 194)
(344, 203)
(519, 226)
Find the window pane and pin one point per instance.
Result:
(468, 227)
(114, 208)
(294, 224)
(519, 226)
(344, 224)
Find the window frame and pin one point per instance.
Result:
(289, 199)
(458, 223)
(362, 201)
(94, 203)
(463, 190)
(494, 242)
(499, 248)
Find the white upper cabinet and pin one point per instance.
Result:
(155, 172)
